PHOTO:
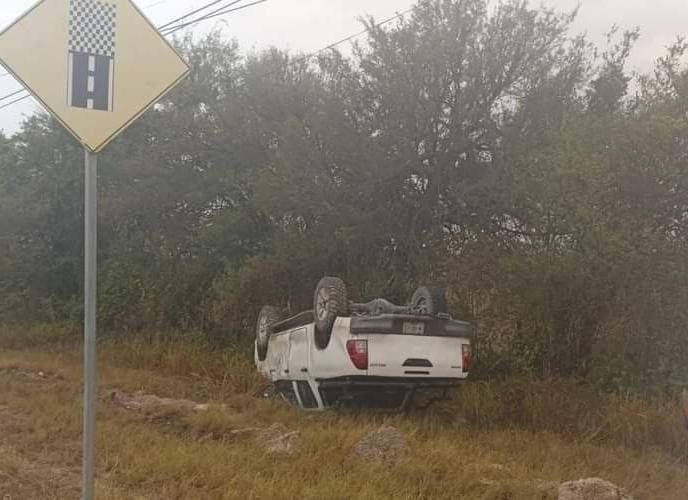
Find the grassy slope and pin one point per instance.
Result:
(486, 458)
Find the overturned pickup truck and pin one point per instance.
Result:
(374, 354)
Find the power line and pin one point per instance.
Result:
(15, 101)
(2, 98)
(12, 94)
(350, 37)
(170, 28)
(210, 15)
(207, 6)
(154, 4)
(292, 62)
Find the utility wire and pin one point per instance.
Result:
(7, 96)
(350, 37)
(154, 4)
(12, 94)
(210, 15)
(15, 101)
(292, 62)
(207, 6)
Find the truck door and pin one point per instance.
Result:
(277, 360)
(298, 354)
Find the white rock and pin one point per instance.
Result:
(591, 489)
(286, 443)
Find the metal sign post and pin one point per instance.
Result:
(90, 288)
(101, 65)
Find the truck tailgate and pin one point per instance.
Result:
(405, 345)
(418, 356)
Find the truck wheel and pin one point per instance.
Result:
(329, 301)
(267, 316)
(428, 300)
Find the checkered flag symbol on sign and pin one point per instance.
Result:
(92, 30)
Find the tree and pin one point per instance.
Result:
(482, 147)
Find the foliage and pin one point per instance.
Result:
(485, 148)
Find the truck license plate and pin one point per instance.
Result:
(413, 328)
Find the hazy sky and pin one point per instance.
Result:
(306, 25)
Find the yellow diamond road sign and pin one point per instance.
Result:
(96, 65)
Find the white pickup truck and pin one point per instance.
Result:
(376, 354)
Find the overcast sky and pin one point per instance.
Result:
(306, 25)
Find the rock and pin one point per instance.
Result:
(32, 375)
(154, 405)
(591, 489)
(384, 444)
(275, 439)
(249, 432)
(286, 443)
(275, 430)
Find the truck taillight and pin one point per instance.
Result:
(358, 352)
(465, 357)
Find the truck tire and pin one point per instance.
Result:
(429, 300)
(268, 316)
(329, 301)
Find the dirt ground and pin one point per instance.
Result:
(35, 472)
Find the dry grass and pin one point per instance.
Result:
(574, 412)
(490, 442)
